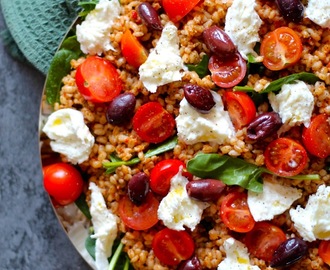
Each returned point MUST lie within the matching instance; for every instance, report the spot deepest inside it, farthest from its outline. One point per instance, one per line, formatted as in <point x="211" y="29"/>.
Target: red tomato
<point x="171" y="247"/>
<point x="241" y="108"/>
<point x="316" y="137"/>
<point x="153" y="123"/>
<point x="263" y="240"/>
<point x="98" y="80"/>
<point x="177" y="9"/>
<point x="235" y="212"/>
<point x="285" y="157"/>
<point x="133" y="51"/>
<point x="141" y="217"/>
<point x="324" y="251"/>
<point x="227" y="72"/>
<point x="281" y="48"/>
<point x="162" y="173"/>
<point x="63" y="182"/>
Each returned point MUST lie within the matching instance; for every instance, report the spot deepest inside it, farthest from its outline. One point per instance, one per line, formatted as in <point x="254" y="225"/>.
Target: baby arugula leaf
<point x="201" y="68"/>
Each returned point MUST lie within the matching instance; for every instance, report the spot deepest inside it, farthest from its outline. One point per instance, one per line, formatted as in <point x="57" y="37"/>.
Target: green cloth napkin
<point x="36" y="28"/>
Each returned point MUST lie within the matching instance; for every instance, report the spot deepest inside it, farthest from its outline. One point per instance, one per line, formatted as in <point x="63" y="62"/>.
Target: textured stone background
<point x="30" y="236"/>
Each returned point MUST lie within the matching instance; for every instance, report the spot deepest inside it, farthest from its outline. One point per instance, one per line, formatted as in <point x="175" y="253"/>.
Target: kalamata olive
<point x="149" y="16"/>
<point x="205" y="189"/>
<point x="291" y="10"/>
<point x="138" y="187"/>
<point x="199" y="97"/>
<point x="264" y="125"/>
<point x="289" y="252"/>
<point x="218" y="41"/>
<point x="121" y="109"/>
<point x="191" y="264"/>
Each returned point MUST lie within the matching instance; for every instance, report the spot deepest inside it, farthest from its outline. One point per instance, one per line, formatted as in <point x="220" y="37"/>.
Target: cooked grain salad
<point x="197" y="133"/>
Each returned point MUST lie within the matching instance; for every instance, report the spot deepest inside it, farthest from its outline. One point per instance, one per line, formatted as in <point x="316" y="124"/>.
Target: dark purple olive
<point x="199" y="97"/>
<point x="218" y="41"/>
<point x="264" y="125"/>
<point x="149" y="16"/>
<point x="205" y="189"/>
<point x="121" y="109"/>
<point x="191" y="264"/>
<point x="138" y="187"/>
<point x="291" y="10"/>
<point x="289" y="252"/>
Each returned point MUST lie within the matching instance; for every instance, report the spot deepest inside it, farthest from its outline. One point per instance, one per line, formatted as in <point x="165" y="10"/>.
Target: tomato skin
<point x="263" y="240"/>
<point x="153" y="123"/>
<point x="235" y="212"/>
<point x="171" y="247"/>
<point x="133" y="51"/>
<point x="98" y="80"/>
<point x="281" y="48"/>
<point x="241" y="108"/>
<point x="63" y="182"/>
<point x="316" y="138"/>
<point x="285" y="157"/>
<point x="324" y="251"/>
<point x="227" y="72"/>
<point x="139" y="217"/>
<point x="177" y="9"/>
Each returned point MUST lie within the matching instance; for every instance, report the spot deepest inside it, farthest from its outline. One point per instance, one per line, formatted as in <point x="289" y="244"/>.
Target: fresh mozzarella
<point x="237" y="257"/>
<point x="177" y="209"/>
<point x="105" y="227"/>
<point x="194" y="127"/>
<point x="273" y="200"/>
<point x="318" y="11"/>
<point x="94" y="32"/>
<point x="164" y="63"/>
<point x="242" y="25"/>
<point x="69" y="134"/>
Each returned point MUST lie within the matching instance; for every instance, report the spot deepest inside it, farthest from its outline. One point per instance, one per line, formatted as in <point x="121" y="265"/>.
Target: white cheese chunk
<point x="105" y="227"/>
<point x="237" y="256"/>
<point x="242" y="25"/>
<point x="318" y="11"/>
<point x="294" y="103"/>
<point x="164" y="63"/>
<point x="274" y="200"/>
<point x="69" y="134"/>
<point x="177" y="209"/>
<point x="93" y="33"/>
<point x="313" y="222"/>
<point x="194" y="127"/>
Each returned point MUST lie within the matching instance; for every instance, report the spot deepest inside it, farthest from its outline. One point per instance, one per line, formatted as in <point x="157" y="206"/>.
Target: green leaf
<point x="83" y="206"/>
<point x="276" y="85"/>
<point x="115" y="162"/>
<point x="90" y="245"/>
<point x="201" y="68"/>
<point x="71" y="43"/>
<point x="87" y="7"/>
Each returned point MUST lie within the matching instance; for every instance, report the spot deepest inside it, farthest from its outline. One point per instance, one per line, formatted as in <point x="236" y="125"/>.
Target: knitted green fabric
<point x="38" y="26"/>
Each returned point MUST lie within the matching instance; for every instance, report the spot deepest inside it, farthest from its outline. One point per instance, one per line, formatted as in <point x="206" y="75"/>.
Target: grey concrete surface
<point x="30" y="236"/>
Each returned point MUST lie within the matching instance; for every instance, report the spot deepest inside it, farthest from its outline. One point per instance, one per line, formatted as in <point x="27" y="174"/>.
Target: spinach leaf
<point x="276" y="85"/>
<point x="87" y="7"/>
<point x="90" y="244"/>
<point x="83" y="206"/>
<point x="201" y="68"/>
<point x="71" y="43"/>
<point x="115" y="162"/>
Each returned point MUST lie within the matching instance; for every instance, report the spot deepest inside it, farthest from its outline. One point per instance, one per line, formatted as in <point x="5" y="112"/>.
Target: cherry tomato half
<point x="133" y="51"/>
<point x="177" y="9"/>
<point x="324" y="251"/>
<point x="227" y="72"/>
<point x="241" y="108"/>
<point x="153" y="123"/>
<point x="285" y="157"/>
<point x="139" y="217"/>
<point x="316" y="138"/>
<point x="281" y="48"/>
<point x="171" y="247"/>
<point x="63" y="182"/>
<point x="235" y="212"/>
<point x="263" y="240"/>
<point x="162" y="173"/>
<point x="98" y="80"/>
